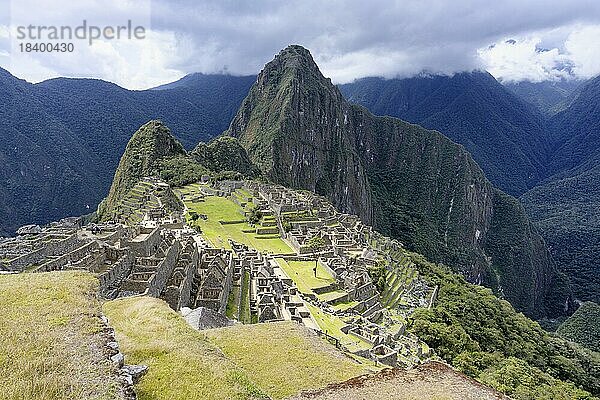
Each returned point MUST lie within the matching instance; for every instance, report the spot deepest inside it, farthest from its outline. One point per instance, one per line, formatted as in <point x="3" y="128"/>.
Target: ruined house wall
<point x="226" y="287"/>
<point x="164" y="270"/>
<point x="49" y="249"/>
<point x="118" y="271"/>
<point x="87" y="256"/>
<point x="186" y="286"/>
<point x="148" y="246"/>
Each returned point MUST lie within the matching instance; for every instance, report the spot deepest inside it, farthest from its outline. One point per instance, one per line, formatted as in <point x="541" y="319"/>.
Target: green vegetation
<point x="232" y="311"/>
<point x="332" y="325"/>
<point x="183" y="365"/>
<point x="245" y="299"/>
<point x="378" y="275"/>
<point x="180" y="170"/>
<point x="302" y="273"/>
<point x="284" y="358"/>
<point x="487" y="339"/>
<point x="254" y="215"/>
<point x="583" y="326"/>
<point x="218" y="210"/>
<point x="50" y="346"/>
<point x="225" y="153"/>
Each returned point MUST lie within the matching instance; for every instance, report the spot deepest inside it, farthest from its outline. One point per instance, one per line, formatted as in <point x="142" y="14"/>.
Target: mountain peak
<point x="150" y="144"/>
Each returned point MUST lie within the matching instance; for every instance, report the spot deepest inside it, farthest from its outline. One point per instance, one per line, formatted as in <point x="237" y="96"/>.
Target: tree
<point x="254" y="214"/>
<point x="315" y="244"/>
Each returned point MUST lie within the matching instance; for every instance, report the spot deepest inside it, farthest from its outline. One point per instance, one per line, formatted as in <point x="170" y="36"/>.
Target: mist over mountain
<point x="411" y="183"/>
<point x="548" y="97"/>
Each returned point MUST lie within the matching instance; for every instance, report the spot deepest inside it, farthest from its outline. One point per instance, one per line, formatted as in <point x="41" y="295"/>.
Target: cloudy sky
<point x="514" y="39"/>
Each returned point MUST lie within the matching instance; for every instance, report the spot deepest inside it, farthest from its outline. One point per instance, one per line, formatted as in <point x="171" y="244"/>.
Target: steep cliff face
<point x="295" y="126"/>
<point x="411" y="183"/>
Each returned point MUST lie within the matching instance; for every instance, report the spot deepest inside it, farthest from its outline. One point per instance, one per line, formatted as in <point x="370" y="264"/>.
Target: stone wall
<point x="119" y="271"/>
<point x="51" y="248"/>
<point x="164" y="270"/>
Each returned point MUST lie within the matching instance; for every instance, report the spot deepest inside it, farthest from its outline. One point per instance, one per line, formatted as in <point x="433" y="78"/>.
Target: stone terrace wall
<point x="50" y="248"/>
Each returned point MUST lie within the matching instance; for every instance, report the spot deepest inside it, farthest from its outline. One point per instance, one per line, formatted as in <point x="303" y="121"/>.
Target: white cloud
<point x="576" y="55"/>
<point x="4" y="32"/>
<point x="583" y="48"/>
<point x="349" y="39"/>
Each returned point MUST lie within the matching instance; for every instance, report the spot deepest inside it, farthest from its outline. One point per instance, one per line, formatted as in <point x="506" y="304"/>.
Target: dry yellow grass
<point x="183" y="365"/>
<point x="284" y="358"/>
<point x="49" y="342"/>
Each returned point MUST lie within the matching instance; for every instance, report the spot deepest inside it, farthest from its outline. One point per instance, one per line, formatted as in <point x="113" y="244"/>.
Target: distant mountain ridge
<point x="504" y="134"/>
<point x="411" y="183"/>
<point x="542" y="146"/>
<point x="548" y="97"/>
<point x="63" y="137"/>
<point x="565" y="206"/>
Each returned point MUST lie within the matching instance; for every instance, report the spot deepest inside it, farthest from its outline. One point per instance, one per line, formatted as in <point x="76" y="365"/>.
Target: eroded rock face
<point x="295" y="126"/>
<point x="411" y="183"/>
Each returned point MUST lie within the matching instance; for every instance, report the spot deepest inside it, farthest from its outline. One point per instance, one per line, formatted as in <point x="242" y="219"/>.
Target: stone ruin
<point x="161" y="256"/>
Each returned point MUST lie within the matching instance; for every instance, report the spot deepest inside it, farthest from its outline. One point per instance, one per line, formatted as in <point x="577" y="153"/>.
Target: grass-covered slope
<point x="487" y="339"/>
<point x="408" y="182"/>
<point x="583" y="326"/>
<point x="50" y="343"/>
<point x="240" y="362"/>
<point x="284" y="358"/>
<point x="182" y="364"/>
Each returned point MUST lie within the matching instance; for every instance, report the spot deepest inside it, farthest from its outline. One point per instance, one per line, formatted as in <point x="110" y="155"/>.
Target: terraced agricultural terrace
<point x="328" y="289"/>
<point x="230" y="256"/>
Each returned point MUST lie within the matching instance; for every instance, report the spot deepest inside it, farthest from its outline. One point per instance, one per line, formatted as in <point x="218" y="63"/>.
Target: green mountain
<point x="565" y="206"/>
<point x="548" y="97"/>
<point x="583" y="326"/>
<point x="61" y="139"/>
<point x="411" y="183"/>
<point x="504" y="135"/>
<point x="223" y="154"/>
<point x="152" y="151"/>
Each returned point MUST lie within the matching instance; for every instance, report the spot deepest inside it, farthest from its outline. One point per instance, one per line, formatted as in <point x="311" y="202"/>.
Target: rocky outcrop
<point x="411" y="183"/>
<point x="294" y="124"/>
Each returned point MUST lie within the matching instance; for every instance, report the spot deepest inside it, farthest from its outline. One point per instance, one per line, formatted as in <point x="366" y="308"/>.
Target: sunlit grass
<point x="284" y="358"/>
<point x="302" y="273"/>
<point x="222" y="209"/>
<point x="183" y="364"/>
<point x="333" y="325"/>
<point x="49" y="342"/>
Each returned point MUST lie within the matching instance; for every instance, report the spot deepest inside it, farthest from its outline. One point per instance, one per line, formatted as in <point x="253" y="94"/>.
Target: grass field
<point x="182" y="363"/>
<point x="221" y="209"/>
<point x="332" y="325"/>
<point x="284" y="358"/>
<point x="50" y="347"/>
<point x="301" y="272"/>
<point x="239" y="362"/>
